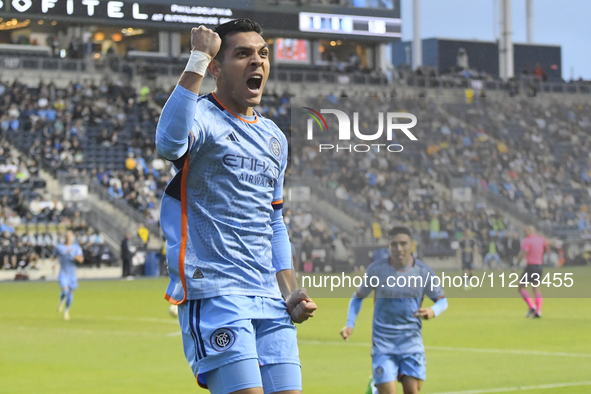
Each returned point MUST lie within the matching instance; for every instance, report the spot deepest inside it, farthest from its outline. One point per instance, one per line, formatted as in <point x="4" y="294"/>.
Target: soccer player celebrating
<point x="397" y="350"/>
<point x="69" y="254"/>
<point x="532" y="248"/>
<point x="227" y="248"/>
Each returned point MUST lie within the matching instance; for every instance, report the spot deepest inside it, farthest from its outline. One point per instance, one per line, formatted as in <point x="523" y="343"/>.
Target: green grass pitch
<point x="122" y="340"/>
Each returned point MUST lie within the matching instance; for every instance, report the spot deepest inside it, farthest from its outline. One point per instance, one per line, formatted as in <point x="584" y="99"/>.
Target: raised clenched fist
<point x="205" y="40"/>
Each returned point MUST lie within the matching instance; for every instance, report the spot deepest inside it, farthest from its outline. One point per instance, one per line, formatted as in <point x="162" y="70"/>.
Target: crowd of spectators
<point x="105" y="131"/>
<point x="317" y="245"/>
<point x="31" y="221"/>
<point x="536" y="158"/>
<point x="528" y="154"/>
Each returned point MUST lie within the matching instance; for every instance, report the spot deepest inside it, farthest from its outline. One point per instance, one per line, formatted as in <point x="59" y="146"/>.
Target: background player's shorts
<point x="392" y="367"/>
<point x="223" y="330"/>
<point x="467" y="265"/>
<point x="68" y="281"/>
<point x="532" y="273"/>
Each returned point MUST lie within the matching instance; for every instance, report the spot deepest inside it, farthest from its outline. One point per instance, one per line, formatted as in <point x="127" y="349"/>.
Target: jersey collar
<point x="405" y="268"/>
<point x="212" y="98"/>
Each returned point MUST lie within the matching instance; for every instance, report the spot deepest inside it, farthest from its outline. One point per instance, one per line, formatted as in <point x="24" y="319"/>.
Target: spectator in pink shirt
<point x="532" y="248"/>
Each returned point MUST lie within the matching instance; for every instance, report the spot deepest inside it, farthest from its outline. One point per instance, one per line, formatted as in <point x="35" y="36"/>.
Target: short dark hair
<point x="394" y="231"/>
<point x="241" y="25"/>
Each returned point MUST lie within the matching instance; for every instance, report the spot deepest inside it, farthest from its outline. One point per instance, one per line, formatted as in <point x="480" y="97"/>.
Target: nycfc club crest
<point x="275" y="146"/>
<point x="222" y="339"/>
<point x="379" y="370"/>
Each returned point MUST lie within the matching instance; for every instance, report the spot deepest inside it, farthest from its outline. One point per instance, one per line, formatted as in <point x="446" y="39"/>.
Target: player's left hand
<point x="300" y="307"/>
<point x="425" y="313"/>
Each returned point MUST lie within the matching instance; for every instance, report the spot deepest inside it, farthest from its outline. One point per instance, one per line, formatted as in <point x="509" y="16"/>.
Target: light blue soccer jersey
<point x="395" y="328"/>
<point x="217" y="211"/>
<point x="67" y="275"/>
<point x="66" y="256"/>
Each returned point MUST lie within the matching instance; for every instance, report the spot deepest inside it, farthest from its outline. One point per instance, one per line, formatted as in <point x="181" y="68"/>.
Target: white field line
<point x="313" y="342"/>
<point x="146" y="319"/>
<point x="456" y="349"/>
<point x="509" y="351"/>
<point x="120" y="318"/>
<point x="82" y="331"/>
<point x="173" y="334"/>
<point x="520" y="388"/>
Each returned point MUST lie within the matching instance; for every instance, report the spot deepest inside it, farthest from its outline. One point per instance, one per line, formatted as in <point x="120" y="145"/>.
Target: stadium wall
<point x="442" y="54"/>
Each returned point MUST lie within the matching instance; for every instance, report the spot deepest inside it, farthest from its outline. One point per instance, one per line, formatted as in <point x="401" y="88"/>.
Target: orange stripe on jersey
<point x="256" y="117"/>
<point x="277" y="205"/>
<point x="412" y="261"/>
<point x="183" y="235"/>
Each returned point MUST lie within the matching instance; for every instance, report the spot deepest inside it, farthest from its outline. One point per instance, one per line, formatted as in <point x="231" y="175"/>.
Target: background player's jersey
<point x="66" y="256"/>
<point x="468" y="247"/>
<point x="216" y="212"/>
<point x="534" y="245"/>
<point x="395" y="328"/>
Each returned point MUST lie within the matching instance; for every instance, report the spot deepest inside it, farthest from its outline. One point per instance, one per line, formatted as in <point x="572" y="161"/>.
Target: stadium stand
<point x="31" y="222"/>
<point x="105" y="131"/>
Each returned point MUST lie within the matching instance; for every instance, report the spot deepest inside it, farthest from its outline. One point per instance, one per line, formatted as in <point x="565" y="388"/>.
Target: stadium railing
<point x="514" y="210"/>
<point x="120" y="228"/>
<point x="525" y="84"/>
<point x="173" y="68"/>
<point x="17" y="62"/>
<point x="332" y="199"/>
<point x="31" y="50"/>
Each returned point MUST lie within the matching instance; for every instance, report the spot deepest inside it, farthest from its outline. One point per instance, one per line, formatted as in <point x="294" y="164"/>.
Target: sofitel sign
<point x="118" y="10"/>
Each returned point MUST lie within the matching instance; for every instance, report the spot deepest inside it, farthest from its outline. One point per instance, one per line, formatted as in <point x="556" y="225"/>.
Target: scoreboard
<point x="350" y="24"/>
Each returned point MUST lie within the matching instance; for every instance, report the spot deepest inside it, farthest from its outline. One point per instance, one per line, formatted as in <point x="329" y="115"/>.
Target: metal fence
<point x="118" y="226"/>
<point x="330" y="197"/>
<point x="13" y="62"/>
<point x="514" y="210"/>
<point x="523" y="84"/>
<point x="152" y="68"/>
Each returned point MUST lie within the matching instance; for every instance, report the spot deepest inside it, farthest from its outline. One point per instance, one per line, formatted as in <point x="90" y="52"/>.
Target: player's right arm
<point x="202" y="40"/>
<point x="523" y="251"/>
<point x="354" y="308"/>
<point x="53" y="258"/>
<point x="79" y="255"/>
<point x="178" y="115"/>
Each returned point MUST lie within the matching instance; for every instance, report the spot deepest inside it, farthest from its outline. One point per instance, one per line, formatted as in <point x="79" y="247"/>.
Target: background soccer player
<point x="69" y="254"/>
<point x="467" y="252"/>
<point x="228" y="252"/>
<point x="532" y="248"/>
<point x="397" y="343"/>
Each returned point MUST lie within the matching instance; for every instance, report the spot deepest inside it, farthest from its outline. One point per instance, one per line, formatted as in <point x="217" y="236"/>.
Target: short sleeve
<point x="434" y="293"/>
<point x="365" y="289"/>
<point x="525" y="245"/>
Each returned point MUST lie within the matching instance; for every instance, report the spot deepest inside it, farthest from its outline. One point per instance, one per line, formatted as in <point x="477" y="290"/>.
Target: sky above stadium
<point x="564" y="23"/>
